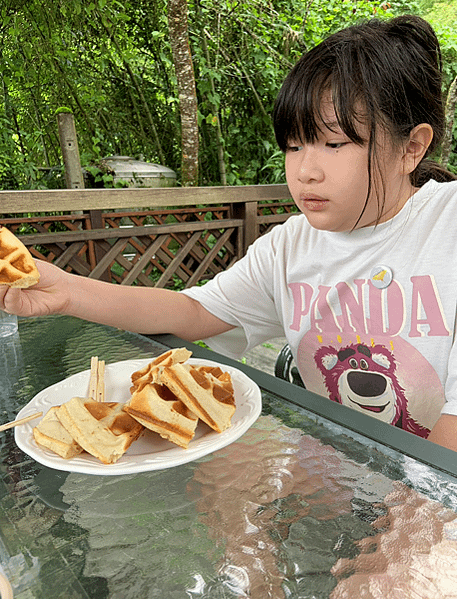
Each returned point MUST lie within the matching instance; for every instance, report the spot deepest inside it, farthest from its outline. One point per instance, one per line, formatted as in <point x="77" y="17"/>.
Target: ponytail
<point x="428" y="169"/>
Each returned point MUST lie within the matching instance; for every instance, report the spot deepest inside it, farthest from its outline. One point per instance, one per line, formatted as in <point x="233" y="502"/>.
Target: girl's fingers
<point x="3" y="290"/>
<point x="10" y="300"/>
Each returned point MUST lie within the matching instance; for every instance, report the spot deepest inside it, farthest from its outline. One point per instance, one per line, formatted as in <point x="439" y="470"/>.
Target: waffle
<point x="17" y="267"/>
<point x="159" y="410"/>
<point x="149" y="373"/>
<point x="50" y="433"/>
<point x="102" y="429"/>
<point x="206" y="391"/>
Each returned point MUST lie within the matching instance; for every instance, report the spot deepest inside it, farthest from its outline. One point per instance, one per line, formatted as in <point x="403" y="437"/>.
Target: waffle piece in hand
<point x="159" y="410"/>
<point x="103" y="429"/>
<point x="50" y="433"/>
<point x="17" y="267"/>
<point x="205" y="391"/>
<point x="149" y="373"/>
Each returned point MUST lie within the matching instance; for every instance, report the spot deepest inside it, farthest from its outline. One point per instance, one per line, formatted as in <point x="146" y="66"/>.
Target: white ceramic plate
<point x="150" y="451"/>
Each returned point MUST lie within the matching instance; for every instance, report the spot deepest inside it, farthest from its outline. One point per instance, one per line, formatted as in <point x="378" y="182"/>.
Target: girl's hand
<point x="130" y="308"/>
<point x="49" y="296"/>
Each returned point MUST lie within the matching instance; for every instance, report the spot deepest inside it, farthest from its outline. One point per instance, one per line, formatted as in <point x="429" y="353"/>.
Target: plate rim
<point x="24" y="437"/>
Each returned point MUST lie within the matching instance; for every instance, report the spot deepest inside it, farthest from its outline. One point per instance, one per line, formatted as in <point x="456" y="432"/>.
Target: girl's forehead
<point x="349" y="116"/>
<point x="327" y="105"/>
<point x="329" y="119"/>
<point x="326" y="115"/>
<point x="326" y="110"/>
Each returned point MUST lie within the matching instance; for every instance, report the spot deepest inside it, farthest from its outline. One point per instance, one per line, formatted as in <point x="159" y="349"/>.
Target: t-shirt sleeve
<point x="243" y="296"/>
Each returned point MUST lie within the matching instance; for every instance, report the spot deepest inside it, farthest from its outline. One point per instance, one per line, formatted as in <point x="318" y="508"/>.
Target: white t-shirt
<point x="370" y="315"/>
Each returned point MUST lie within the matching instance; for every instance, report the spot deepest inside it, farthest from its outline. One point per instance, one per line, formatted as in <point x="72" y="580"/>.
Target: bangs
<point x="318" y="78"/>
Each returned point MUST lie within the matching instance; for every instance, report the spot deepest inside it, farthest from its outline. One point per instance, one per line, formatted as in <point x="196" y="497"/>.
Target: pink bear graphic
<point x="364" y="378"/>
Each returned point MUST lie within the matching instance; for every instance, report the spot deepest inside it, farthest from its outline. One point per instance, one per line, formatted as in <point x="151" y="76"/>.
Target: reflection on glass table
<point x="297" y="507"/>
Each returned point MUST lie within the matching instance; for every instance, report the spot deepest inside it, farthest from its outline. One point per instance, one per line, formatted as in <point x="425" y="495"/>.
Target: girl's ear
<point x="419" y="140"/>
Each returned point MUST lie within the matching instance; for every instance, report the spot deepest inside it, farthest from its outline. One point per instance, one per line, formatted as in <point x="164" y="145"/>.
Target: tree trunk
<point x="179" y="39"/>
<point x="451" y="104"/>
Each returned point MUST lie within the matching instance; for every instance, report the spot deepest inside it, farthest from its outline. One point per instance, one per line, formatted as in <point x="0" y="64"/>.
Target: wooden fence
<point x="165" y="237"/>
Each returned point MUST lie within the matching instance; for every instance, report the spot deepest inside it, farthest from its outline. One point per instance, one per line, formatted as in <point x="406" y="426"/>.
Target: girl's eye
<point x="336" y="145"/>
<point x="292" y="148"/>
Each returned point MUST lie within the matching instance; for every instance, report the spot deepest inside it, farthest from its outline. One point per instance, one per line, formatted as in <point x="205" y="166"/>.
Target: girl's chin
<point x="326" y="224"/>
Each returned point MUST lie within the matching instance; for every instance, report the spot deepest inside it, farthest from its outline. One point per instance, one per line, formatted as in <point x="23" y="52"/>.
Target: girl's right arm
<point x="139" y="309"/>
<point x="445" y="431"/>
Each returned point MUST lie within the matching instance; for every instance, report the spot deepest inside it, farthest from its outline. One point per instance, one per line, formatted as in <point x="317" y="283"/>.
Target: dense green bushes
<point x="111" y="63"/>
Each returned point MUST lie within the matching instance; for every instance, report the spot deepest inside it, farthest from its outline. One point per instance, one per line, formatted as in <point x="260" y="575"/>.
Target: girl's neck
<point x="395" y="208"/>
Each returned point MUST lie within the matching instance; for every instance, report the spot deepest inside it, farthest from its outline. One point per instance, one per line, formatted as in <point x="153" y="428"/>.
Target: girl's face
<point x="328" y="179"/>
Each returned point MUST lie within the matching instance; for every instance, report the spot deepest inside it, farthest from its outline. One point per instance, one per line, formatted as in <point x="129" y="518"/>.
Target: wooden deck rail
<point x="166" y="237"/>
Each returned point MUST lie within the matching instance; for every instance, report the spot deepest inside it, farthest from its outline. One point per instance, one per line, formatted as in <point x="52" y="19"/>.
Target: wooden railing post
<point x="96" y="253"/>
<point x="248" y="212"/>
<point x="70" y="152"/>
<point x="74" y="179"/>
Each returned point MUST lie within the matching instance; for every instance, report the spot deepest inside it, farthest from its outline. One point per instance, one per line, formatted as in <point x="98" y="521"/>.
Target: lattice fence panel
<point x="272" y="213"/>
<point x="165" y="248"/>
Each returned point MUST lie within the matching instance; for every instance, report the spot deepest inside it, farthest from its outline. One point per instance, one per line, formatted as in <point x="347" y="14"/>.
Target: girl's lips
<point x="312" y="202"/>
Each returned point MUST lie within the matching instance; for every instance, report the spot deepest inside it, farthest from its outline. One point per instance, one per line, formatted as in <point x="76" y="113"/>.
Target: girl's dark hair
<point x="389" y="69"/>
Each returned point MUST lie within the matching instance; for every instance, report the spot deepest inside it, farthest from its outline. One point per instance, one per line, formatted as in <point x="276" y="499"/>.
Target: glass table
<point x="300" y="506"/>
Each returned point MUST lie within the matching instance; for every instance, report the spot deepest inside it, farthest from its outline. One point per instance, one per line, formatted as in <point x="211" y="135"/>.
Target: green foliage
<point x="443" y="17"/>
<point x="64" y="110"/>
<point x="452" y="164"/>
<point x="110" y="64"/>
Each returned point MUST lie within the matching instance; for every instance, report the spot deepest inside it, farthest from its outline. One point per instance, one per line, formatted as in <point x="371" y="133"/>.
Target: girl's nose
<point x="310" y="168"/>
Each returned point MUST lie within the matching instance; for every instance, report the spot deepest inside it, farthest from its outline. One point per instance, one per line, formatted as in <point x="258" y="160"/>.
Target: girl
<point x="362" y="283"/>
